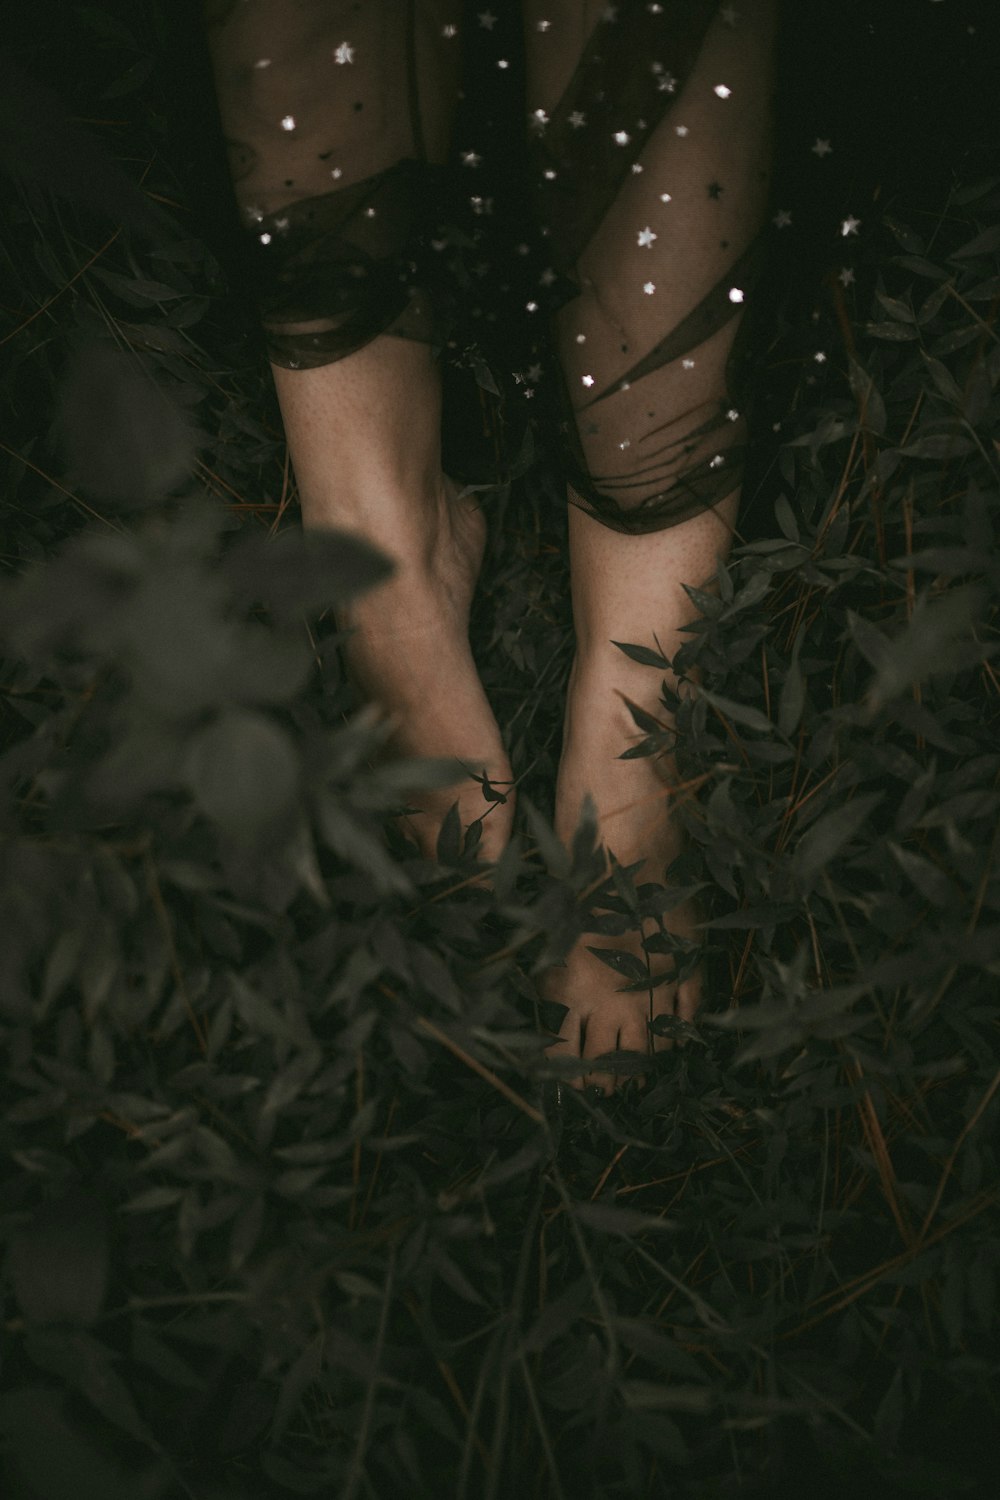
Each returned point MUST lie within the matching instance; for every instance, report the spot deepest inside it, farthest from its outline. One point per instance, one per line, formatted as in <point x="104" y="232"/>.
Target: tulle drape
<point x="647" y="171"/>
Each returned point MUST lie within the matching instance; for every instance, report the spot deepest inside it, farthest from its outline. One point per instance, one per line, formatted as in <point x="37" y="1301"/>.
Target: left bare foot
<point x="635" y="821"/>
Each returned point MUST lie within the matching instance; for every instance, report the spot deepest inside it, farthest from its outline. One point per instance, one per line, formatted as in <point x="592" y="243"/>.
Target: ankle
<point x="427" y="535"/>
<point x="600" y="681"/>
<point x="382" y="511"/>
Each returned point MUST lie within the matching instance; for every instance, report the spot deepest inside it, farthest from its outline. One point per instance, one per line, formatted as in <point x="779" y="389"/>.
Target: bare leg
<point x="364" y="435"/>
<point x="620" y="584"/>
<point x="677" y="223"/>
<point x="320" y="104"/>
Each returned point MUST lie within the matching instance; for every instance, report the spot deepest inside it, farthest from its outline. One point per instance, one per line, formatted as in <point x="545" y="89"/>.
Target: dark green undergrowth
<point x="288" y="1204"/>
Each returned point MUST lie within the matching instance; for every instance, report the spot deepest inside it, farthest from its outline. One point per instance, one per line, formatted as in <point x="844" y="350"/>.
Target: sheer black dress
<point x="646" y="165"/>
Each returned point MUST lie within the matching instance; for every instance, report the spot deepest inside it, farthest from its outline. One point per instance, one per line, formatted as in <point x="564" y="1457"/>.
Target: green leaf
<point x="644" y="655"/>
<point x="358" y="844"/>
<point x="152" y="1199"/>
<point x="449" y="839"/>
<point x="296" y="572"/>
<point x="936" y="639"/>
<point x="646" y="721"/>
<point x="892" y="332"/>
<point x="740" y="713"/>
<point x="648" y="1395"/>
<point x="895" y="307"/>
<point x="943" y="380"/>
<point x="243" y="773"/>
<point x="987" y="242"/>
<point x="785" y="517"/>
<point x="150" y="1349"/>
<point x="559" y="1313"/>
<point x="556" y="857"/>
<point x="793" y="693"/>
<point x="825" y="839"/>
<point x="247" y="1227"/>
<point x="135" y="289"/>
<point x="869" y="398"/>
<point x="608" y="1218"/>
<point x="622" y="962"/>
<point x="124" y="438"/>
<point x="931" y="882"/>
<point x="87" y="1366"/>
<point x="938" y="446"/>
<point x="904" y="235"/>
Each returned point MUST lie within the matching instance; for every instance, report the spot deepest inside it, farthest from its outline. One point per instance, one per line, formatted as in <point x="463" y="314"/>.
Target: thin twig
<point x="484" y="1072"/>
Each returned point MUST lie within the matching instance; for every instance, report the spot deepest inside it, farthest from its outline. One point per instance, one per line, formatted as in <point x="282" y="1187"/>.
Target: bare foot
<point x="634" y="820"/>
<point x="410" y="654"/>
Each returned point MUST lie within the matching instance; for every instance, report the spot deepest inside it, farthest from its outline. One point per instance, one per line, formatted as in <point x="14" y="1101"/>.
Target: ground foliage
<point x="288" y="1204"/>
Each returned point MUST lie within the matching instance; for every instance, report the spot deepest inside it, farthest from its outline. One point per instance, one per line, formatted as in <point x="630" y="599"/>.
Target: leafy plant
<point x="289" y="1204"/>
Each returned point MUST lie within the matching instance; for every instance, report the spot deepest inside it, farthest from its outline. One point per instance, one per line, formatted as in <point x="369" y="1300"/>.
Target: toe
<point x="601" y="1037"/>
<point x="632" y="1034"/>
<point x="568" y="1044"/>
<point x="689" y="998"/>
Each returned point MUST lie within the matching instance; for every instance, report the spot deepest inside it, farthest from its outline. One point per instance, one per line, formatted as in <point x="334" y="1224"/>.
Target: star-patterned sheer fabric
<point x="648" y="160"/>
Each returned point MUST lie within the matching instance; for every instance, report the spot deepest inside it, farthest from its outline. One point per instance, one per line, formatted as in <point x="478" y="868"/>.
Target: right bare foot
<point x="409" y="653"/>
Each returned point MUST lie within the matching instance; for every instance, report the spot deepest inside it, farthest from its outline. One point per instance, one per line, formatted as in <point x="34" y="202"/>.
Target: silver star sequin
<point x="646" y="237"/>
<point x="344" y="53"/>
